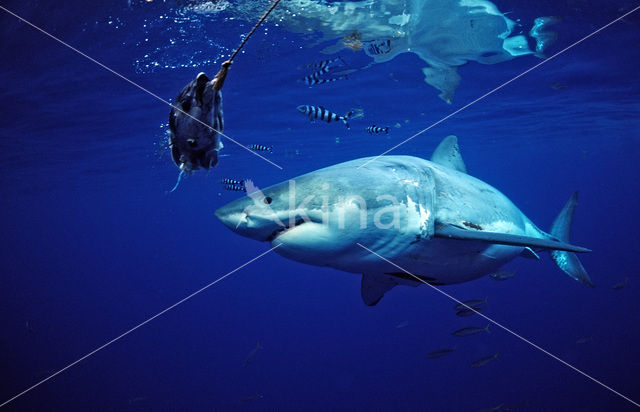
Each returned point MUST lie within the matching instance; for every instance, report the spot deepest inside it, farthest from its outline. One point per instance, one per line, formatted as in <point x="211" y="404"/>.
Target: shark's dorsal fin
<point x="448" y="154"/>
<point x="373" y="288"/>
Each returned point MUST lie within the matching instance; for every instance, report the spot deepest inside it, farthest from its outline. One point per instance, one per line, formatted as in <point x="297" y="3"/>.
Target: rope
<point x="264" y="17"/>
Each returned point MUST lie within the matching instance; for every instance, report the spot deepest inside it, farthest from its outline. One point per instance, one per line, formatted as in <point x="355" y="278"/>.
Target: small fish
<point x="472" y="330"/>
<point x="319" y="112"/>
<point x="473" y="303"/>
<point x="375" y="129"/>
<point x="313" y="79"/>
<point x="28" y="327"/>
<point x="483" y="361"/>
<point x="515" y="406"/>
<point x="377" y="47"/>
<point x="253" y="397"/>
<point x="494" y="409"/>
<point x="468" y="312"/>
<point x="501" y="275"/>
<point x="621" y="285"/>
<point x="402" y="324"/>
<point x="232" y="182"/>
<point x="235" y="188"/>
<point x="439" y="353"/>
<point x="558" y="86"/>
<point x="251" y="355"/>
<point x="260" y="148"/>
<point x="324" y="65"/>
<point x="137" y="400"/>
<point x="584" y="340"/>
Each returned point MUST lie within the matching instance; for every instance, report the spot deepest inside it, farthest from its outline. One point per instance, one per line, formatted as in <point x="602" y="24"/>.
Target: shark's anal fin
<point x="454" y="232"/>
<point x="373" y="288"/>
<point x="448" y="154"/>
<point x="528" y="253"/>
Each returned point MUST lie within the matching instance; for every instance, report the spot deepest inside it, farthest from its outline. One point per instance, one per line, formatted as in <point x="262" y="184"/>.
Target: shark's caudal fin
<point x="561" y="228"/>
<point x="448" y="154"/>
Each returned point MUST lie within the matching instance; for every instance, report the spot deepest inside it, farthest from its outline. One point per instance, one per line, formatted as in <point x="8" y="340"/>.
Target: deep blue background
<point x="92" y="245"/>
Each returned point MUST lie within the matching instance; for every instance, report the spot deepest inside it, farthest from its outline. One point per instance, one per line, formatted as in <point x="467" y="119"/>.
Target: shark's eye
<point x="268" y="200"/>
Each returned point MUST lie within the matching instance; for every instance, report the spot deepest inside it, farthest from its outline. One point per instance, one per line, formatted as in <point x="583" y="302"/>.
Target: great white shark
<point x="428" y="217"/>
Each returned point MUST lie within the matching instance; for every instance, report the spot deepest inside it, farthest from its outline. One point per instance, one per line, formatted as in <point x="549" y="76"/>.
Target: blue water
<point x="92" y="245"/>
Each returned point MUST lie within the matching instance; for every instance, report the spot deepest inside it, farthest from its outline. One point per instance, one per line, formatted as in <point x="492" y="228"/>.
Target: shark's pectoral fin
<point x="454" y="232"/>
<point x="373" y="288"/>
<point x="448" y="154"/>
<point x="528" y="253"/>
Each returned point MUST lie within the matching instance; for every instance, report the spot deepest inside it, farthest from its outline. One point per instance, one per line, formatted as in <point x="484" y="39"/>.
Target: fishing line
<point x="264" y="17"/>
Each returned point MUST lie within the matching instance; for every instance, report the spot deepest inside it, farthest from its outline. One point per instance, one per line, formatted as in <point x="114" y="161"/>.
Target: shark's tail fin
<point x="568" y="262"/>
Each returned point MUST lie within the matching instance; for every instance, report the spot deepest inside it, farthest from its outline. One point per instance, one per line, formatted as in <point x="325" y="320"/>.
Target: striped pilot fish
<point x="378" y="47"/>
<point x="313" y="79"/>
<point x="319" y="112"/>
<point x="260" y="148"/>
<point x="375" y="129"/>
<point x="235" y="188"/>
<point x="324" y="65"/>
<point x="232" y="182"/>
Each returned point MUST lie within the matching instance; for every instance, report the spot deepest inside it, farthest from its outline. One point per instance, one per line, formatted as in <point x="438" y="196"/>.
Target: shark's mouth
<point x="284" y="229"/>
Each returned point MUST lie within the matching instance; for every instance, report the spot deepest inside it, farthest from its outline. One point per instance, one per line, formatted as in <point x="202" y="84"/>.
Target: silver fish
<point x="501" y="275"/>
<point x="483" y="361"/>
<point x="251" y="355"/>
<point x="473" y="303"/>
<point x="468" y="312"/>
<point x="494" y="409"/>
<point x="584" y="340"/>
<point x="472" y="330"/>
<point x="439" y="353"/>
<point x="251" y="398"/>
<point x="402" y="324"/>
<point x="621" y="285"/>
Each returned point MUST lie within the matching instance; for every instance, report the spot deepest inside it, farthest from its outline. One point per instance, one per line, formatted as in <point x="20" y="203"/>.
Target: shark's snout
<point x="246" y="220"/>
<point x="228" y="218"/>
